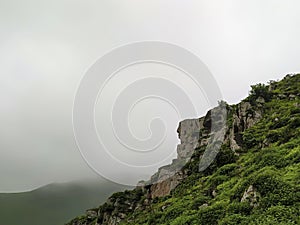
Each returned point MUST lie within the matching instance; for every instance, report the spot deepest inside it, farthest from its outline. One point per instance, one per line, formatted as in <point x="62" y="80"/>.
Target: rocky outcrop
<point x="244" y="116"/>
<point x="210" y="131"/>
<point x="168" y="177"/>
<point x="222" y="125"/>
<point x="164" y="187"/>
<point x="188" y="133"/>
<point x="116" y="208"/>
<point x="251" y="196"/>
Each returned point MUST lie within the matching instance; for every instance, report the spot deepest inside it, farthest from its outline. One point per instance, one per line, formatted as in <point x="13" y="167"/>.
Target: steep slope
<point x="255" y="178"/>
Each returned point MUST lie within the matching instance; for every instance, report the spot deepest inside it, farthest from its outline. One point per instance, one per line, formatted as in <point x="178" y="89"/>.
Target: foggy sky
<point x="46" y="47"/>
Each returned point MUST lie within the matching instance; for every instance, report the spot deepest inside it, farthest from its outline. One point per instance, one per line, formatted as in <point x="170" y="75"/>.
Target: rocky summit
<point x="253" y="178"/>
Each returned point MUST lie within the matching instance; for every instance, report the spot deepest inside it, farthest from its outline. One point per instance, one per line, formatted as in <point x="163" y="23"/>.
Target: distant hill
<point x="53" y="204"/>
<point x="254" y="179"/>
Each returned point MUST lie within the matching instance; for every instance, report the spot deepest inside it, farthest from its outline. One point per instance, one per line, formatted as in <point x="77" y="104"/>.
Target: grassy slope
<point x="53" y="204"/>
<point x="273" y="169"/>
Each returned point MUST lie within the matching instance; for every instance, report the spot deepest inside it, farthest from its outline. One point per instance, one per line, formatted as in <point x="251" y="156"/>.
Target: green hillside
<point x="53" y="204"/>
<point x="259" y="183"/>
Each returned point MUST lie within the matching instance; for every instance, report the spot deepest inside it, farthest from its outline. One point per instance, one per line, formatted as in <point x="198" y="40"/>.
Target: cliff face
<point x="198" y="133"/>
<point x="226" y="127"/>
<point x="168" y="177"/>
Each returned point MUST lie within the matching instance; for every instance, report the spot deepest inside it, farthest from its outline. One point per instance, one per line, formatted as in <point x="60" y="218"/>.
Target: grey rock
<point x="252" y="196"/>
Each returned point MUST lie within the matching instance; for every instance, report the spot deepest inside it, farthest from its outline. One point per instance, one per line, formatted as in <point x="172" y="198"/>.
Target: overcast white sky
<point x="46" y="46"/>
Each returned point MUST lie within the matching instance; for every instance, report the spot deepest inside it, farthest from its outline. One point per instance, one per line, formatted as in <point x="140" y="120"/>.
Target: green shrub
<point x="235" y="219"/>
<point x="259" y="90"/>
<point x="242" y="208"/>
